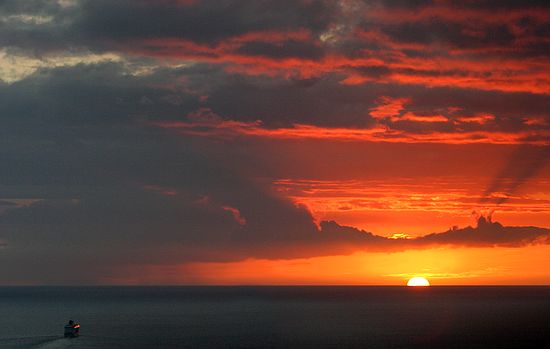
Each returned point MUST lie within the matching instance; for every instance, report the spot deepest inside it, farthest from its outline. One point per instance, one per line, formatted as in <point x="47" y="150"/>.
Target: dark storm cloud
<point x="113" y="189"/>
<point x="287" y="49"/>
<point x="89" y="94"/>
<point x="282" y="102"/>
<point x="203" y="21"/>
<point x="97" y="25"/>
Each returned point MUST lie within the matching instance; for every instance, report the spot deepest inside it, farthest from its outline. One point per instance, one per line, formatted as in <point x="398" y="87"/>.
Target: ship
<point x="71" y="330"/>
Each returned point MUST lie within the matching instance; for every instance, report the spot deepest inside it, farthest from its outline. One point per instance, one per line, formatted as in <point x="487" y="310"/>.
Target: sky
<point x="274" y="142"/>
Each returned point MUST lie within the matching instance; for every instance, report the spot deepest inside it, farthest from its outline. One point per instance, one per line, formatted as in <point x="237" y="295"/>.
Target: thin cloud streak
<point x="228" y="129"/>
<point x="450" y="196"/>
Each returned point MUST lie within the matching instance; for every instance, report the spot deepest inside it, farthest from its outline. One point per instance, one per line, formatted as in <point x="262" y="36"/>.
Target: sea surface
<point x="276" y="317"/>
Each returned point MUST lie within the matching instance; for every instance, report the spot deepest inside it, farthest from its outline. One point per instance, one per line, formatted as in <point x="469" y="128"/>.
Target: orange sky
<point x="387" y="206"/>
<point x="441" y="266"/>
<point x="402" y="206"/>
<point x="432" y="199"/>
<point x="416" y="207"/>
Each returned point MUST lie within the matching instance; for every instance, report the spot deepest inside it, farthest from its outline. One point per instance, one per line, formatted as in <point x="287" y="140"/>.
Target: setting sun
<point x="418" y="281"/>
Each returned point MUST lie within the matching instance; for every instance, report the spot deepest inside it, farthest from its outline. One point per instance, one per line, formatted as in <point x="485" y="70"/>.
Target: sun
<point x="418" y="281"/>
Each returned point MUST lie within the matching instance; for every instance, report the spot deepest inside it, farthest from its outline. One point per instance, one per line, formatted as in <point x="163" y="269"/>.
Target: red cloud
<point x="388" y="107"/>
<point x="228" y="129"/>
<point x="236" y="214"/>
<point x="510" y="75"/>
<point x="491" y="66"/>
<point x="535" y="121"/>
<point x="422" y="118"/>
<point x="477" y="119"/>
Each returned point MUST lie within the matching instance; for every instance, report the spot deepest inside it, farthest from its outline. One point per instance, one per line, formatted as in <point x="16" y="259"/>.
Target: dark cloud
<point x="287" y="49"/>
<point x="179" y="217"/>
<point x="487" y="233"/>
<point x="14" y="7"/>
<point x="98" y="25"/>
<point x="205" y="21"/>
<point x="114" y="189"/>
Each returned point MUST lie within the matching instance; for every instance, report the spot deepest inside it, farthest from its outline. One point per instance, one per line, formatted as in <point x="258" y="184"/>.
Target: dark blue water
<point x="276" y="317"/>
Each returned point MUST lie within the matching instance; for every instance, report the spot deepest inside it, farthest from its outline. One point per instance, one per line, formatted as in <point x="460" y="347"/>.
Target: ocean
<point x="276" y="317"/>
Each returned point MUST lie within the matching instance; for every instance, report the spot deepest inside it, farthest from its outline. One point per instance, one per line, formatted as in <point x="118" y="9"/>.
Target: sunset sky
<point x="274" y="142"/>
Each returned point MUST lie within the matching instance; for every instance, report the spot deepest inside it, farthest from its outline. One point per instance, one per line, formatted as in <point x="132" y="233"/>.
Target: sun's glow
<point x="418" y="281"/>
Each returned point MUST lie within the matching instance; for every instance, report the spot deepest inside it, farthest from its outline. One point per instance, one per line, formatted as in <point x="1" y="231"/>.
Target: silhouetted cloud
<point x="488" y="233"/>
<point x="485" y="234"/>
